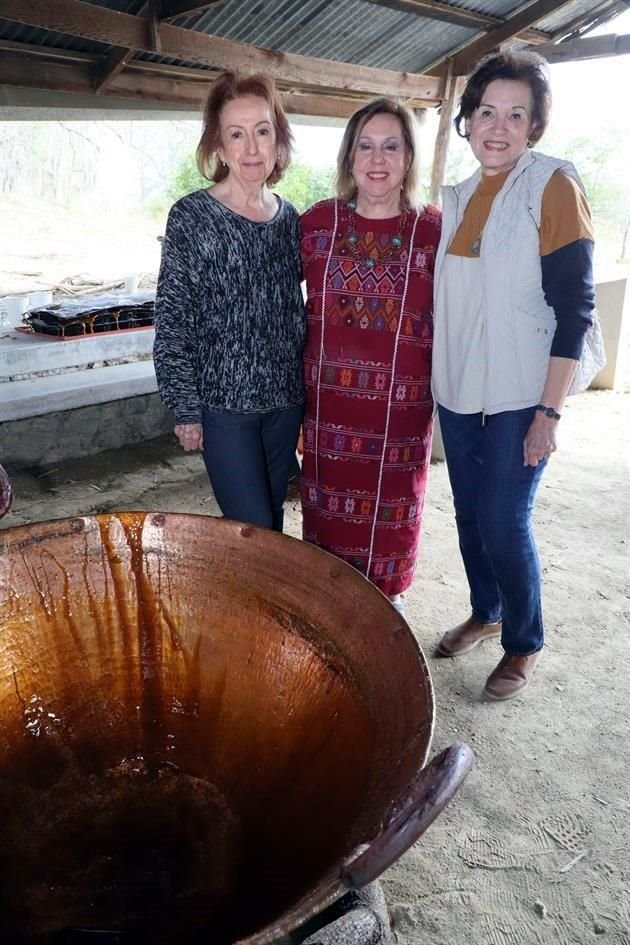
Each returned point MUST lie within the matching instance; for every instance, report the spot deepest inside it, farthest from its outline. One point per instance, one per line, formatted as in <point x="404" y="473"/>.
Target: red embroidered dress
<point x="368" y="420"/>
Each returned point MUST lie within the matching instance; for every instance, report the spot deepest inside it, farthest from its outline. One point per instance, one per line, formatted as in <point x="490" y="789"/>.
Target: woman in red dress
<point x="368" y="260"/>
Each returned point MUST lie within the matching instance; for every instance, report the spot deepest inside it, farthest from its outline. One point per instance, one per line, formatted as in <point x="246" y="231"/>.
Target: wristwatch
<point x="548" y="411"/>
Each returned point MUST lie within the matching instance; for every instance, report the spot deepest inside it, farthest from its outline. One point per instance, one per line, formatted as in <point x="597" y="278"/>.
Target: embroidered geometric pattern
<point x="360" y="386"/>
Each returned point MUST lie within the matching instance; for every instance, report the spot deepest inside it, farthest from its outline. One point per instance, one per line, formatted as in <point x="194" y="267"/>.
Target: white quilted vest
<point x="519" y="324"/>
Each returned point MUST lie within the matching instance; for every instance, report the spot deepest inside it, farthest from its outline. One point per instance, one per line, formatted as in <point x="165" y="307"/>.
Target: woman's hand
<point x="190" y="436"/>
<point x="540" y="441"/>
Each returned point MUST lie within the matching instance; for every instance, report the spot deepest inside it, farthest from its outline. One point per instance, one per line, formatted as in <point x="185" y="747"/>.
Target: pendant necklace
<point x="487" y="194"/>
<point x="475" y="246"/>
<point x="395" y="242"/>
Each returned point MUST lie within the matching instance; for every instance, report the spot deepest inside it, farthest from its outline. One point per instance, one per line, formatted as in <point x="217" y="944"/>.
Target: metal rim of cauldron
<point x="6" y="492"/>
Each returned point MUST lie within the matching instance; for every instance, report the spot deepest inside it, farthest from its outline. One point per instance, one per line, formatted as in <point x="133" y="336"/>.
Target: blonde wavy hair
<point x="345" y="184"/>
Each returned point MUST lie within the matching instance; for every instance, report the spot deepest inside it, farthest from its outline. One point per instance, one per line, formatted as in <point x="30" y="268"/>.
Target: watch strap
<point x="548" y="411"/>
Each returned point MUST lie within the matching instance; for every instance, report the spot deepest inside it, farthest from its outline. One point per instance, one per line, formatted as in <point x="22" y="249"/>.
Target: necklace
<point x="475" y="246"/>
<point x="481" y="205"/>
<point x="369" y="259"/>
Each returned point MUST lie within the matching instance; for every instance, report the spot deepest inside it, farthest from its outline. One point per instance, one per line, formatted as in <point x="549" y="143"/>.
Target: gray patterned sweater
<point x="229" y="314"/>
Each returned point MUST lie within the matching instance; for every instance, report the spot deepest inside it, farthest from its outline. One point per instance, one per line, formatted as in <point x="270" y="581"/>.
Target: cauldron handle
<point x="6" y="493"/>
<point x="426" y="797"/>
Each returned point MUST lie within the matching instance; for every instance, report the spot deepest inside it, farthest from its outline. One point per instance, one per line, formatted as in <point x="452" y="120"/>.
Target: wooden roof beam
<point x="47" y="52"/>
<point x="114" y="62"/>
<point x="440" y="151"/>
<point x="76" y="78"/>
<point x="152" y="10"/>
<point x="527" y="16"/>
<point x="174" y="8"/>
<point x="590" y="20"/>
<point x="133" y="86"/>
<point x="56" y="76"/>
<point x="100" y="24"/>
<point x="436" y="10"/>
<point x="320" y="106"/>
<point x="106" y="70"/>
<point x="22" y="71"/>
<point x="587" y="47"/>
<point x="533" y="37"/>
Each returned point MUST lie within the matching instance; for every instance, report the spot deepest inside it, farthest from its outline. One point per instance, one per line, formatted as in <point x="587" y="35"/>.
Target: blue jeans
<point x="248" y="457"/>
<point x="494" y="495"/>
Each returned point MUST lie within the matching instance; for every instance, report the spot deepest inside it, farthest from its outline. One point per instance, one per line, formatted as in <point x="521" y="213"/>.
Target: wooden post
<point x="440" y="153"/>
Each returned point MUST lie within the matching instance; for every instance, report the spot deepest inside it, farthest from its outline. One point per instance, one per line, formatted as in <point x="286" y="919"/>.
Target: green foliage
<point x="301" y="185"/>
<point x="186" y="179"/>
<point x="603" y="176"/>
<point x="461" y="161"/>
<point x="599" y="161"/>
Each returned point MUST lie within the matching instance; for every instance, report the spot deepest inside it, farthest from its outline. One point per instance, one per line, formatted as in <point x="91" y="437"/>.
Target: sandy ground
<point x="535" y="848"/>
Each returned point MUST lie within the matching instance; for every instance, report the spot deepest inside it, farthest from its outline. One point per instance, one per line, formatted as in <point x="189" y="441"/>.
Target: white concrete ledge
<point x="22" y="353"/>
<point x="43" y="395"/>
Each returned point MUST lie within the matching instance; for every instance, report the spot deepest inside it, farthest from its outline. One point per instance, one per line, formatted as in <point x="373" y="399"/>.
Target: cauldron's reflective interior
<point x="183" y="743"/>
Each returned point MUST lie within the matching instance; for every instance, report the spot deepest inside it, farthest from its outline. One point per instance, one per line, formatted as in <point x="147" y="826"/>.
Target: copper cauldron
<point x="206" y="729"/>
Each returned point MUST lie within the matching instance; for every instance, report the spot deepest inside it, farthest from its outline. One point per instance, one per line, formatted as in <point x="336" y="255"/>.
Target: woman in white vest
<point x="514" y="298"/>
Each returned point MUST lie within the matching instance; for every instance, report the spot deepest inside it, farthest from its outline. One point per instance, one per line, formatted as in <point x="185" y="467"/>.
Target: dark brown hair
<point x="228" y="87"/>
<point x="517" y="65"/>
<point x="346" y="187"/>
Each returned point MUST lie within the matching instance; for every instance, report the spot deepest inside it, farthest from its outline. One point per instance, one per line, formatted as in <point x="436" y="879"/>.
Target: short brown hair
<point x="517" y="65"/>
<point x="228" y="87"/>
<point x="346" y="187"/>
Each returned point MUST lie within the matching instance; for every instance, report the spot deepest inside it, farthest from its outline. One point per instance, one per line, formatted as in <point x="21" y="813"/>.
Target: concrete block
<point x="613" y="304"/>
<point x="358" y="918"/>
<point x="61" y="435"/>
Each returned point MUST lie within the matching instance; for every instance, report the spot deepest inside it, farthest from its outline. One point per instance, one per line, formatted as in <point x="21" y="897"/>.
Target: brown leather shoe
<point x="511" y="676"/>
<point x="466" y="636"/>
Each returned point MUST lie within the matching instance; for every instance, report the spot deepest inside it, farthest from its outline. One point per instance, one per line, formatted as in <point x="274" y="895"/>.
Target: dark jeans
<point x="494" y="495"/>
<point x="248" y="457"/>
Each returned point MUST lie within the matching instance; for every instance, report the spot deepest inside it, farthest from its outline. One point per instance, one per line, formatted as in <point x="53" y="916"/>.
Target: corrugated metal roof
<point x="345" y="31"/>
<point x="354" y="31"/>
<point x="38" y="37"/>
<point x="498" y="8"/>
<point x="18" y="33"/>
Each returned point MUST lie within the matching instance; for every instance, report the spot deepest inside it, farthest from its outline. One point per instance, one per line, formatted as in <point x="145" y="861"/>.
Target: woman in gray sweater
<point x="229" y="320"/>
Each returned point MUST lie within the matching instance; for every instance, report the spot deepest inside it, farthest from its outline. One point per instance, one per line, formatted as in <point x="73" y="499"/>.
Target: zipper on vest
<point x="484" y="417"/>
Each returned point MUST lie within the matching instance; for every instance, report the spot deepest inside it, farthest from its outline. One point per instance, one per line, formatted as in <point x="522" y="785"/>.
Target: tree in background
<point x="301" y="185"/>
<point x="185" y="179"/>
<point x="599" y="160"/>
